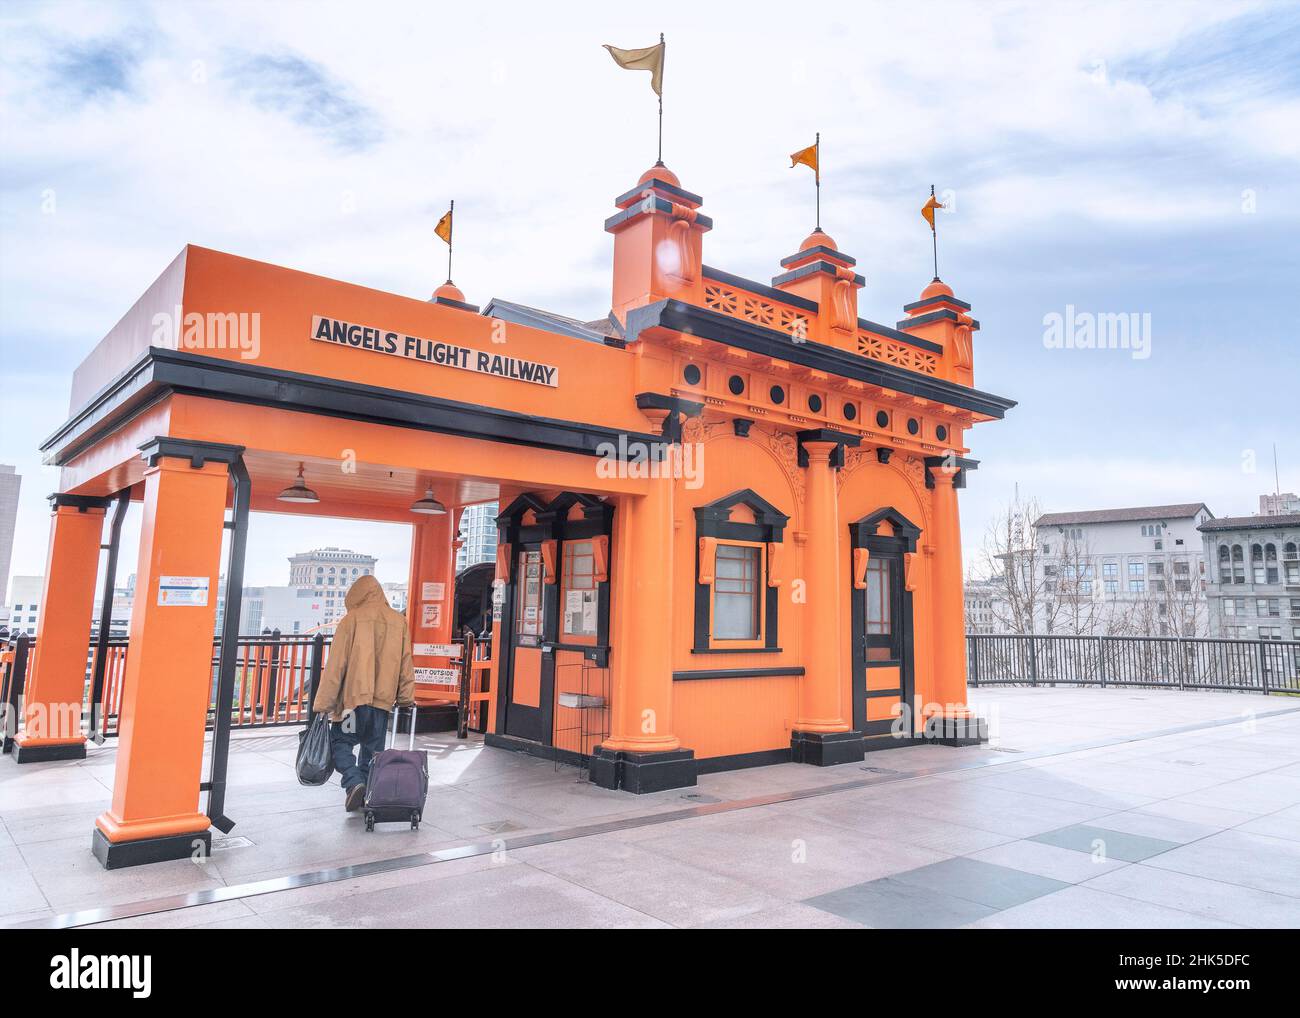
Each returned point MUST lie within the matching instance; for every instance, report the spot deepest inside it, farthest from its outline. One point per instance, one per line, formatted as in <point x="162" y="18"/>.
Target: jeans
<point x="366" y="726"/>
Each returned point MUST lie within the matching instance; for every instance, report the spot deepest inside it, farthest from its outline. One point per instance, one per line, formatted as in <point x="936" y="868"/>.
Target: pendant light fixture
<point x="428" y="506"/>
<point x="298" y="491"/>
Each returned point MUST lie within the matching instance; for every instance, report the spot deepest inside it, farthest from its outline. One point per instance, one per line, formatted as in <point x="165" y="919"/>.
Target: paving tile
<point x="1111" y="844"/>
<point x="1062" y="864"/>
<point x="890" y="903"/>
<point x="667" y="888"/>
<point x="790" y="916"/>
<point x="1250" y="860"/>
<point x="984" y="883"/>
<point x="1211" y="899"/>
<point x="1080" y="907"/>
<point x="1151" y="825"/>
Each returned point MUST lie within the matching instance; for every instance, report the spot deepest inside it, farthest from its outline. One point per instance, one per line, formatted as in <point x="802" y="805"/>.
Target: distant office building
<point x="396" y="594"/>
<point x="478" y="532"/>
<point x="10" y="482"/>
<point x="1285" y="503"/>
<point x="294" y="611"/>
<point x="329" y="572"/>
<point x="1254" y="593"/>
<point x="982" y="598"/>
<point x="25" y="612"/>
<point x="1137" y="571"/>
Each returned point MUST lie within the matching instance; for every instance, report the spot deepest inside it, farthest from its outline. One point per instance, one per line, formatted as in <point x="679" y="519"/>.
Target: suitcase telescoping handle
<point x="411" y="742"/>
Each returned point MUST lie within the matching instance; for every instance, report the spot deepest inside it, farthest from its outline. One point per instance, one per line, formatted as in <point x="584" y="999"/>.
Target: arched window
<point x="1236" y="553"/>
<point x="1256" y="553"/>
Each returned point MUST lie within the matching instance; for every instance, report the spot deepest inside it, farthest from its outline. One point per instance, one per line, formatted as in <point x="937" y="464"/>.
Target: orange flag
<point x="807" y="156"/>
<point x="443" y="229"/>
<point x="927" y="210"/>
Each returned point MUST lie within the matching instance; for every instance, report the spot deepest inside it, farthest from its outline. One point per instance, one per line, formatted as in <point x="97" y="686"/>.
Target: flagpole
<point x="663" y="59"/>
<point x="934" y="235"/>
<point x="818" y="177"/>
<point x="451" y="230"/>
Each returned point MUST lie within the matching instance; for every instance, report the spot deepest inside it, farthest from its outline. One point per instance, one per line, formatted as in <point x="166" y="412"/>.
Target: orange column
<point x="433" y="563"/>
<point x="821" y="735"/>
<point x="642" y="754"/>
<point x="57" y="688"/>
<point x="951" y="720"/>
<point x="168" y="684"/>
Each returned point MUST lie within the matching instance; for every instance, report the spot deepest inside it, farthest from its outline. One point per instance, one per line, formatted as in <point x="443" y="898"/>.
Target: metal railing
<point x="274" y="677"/>
<point x="1252" y="666"/>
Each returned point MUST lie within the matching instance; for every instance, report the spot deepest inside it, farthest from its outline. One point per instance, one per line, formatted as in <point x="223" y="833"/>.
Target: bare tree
<point x="1011" y="559"/>
<point x="1074" y="609"/>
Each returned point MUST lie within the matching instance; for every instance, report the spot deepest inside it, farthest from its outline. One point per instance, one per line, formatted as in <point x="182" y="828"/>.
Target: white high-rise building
<point x="10" y="482"/>
<point x="478" y="531"/>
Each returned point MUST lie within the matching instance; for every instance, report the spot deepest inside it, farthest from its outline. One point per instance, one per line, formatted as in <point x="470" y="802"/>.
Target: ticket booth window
<point x="736" y="610"/>
<point x="581" y="597"/>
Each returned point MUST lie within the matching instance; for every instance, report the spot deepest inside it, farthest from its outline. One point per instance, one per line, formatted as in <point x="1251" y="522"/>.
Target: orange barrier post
<point x="154" y="813"/>
<point x="57" y="687"/>
<point x="821" y="735"/>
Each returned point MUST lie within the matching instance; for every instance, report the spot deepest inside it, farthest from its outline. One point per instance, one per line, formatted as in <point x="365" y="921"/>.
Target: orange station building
<point x="729" y="528"/>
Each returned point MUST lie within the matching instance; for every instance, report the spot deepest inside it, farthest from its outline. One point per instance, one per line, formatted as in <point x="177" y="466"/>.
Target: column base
<point x="826" y="749"/>
<point x="41" y="752"/>
<point x="114" y="855"/>
<point x="643" y="772"/>
<point x="966" y="730"/>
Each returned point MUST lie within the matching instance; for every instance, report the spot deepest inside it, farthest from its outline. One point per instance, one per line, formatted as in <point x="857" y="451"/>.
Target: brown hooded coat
<point x="369" y="662"/>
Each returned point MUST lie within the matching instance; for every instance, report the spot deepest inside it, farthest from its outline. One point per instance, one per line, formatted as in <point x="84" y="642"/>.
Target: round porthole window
<point x="815" y="403"/>
<point x="777" y="394"/>
<point x="850" y="411"/>
<point x="882" y="419"/>
<point x="736" y="384"/>
<point x="941" y="433"/>
<point x="692" y="374"/>
<point x="913" y="425"/>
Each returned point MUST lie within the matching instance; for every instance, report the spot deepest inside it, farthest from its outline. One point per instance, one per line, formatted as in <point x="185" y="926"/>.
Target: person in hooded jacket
<point x="369" y="669"/>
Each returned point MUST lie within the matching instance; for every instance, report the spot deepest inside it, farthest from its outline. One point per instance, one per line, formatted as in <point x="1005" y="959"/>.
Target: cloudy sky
<point x="1114" y="158"/>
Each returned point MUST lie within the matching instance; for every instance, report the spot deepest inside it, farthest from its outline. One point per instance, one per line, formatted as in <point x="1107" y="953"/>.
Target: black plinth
<point x="643" y="772"/>
<point x="54" y="751"/>
<point x="826" y="749"/>
<point x="114" y="855"/>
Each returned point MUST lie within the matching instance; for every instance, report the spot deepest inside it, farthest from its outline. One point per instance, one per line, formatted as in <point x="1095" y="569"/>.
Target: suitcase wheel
<point x="370" y="821"/>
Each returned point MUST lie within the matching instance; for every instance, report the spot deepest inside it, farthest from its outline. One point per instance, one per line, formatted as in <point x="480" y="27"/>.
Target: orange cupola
<point x="820" y="272"/>
<point x="939" y="317"/>
<point x="658" y="242"/>
<point x="450" y="295"/>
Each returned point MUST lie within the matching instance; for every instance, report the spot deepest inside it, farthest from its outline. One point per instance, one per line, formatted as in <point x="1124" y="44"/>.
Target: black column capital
<point x="198" y="453"/>
<point x="79" y="502"/>
<point x="841" y="439"/>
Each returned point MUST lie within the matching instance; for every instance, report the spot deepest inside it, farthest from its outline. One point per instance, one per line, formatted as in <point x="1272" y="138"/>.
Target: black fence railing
<point x="274" y="676"/>
<point x="1252" y="666"/>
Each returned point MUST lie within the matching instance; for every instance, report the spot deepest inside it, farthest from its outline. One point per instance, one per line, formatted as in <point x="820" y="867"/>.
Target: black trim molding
<point x="160" y="372"/>
<point x="678" y="316"/>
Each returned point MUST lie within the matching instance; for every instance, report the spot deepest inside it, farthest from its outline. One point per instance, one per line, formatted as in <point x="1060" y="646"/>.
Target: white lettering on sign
<point x="438" y="676"/>
<point x="452" y="650"/>
<point x="183" y="590"/>
<point x="448" y="355"/>
<point x="433" y="591"/>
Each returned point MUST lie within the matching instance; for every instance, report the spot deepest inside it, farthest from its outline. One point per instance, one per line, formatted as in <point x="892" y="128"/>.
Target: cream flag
<point x="651" y="59"/>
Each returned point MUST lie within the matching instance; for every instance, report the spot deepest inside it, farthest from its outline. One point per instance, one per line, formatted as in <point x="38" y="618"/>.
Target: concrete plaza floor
<point x="1113" y="808"/>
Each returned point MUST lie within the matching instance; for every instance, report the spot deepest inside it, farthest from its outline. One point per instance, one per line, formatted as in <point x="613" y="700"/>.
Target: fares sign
<point x="449" y="355"/>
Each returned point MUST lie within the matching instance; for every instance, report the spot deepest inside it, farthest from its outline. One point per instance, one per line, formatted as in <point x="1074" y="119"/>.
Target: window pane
<point x="735" y="593"/>
<point x="879" y="616"/>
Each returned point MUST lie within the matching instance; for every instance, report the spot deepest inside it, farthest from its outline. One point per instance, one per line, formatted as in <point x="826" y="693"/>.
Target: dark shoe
<point x="356" y="796"/>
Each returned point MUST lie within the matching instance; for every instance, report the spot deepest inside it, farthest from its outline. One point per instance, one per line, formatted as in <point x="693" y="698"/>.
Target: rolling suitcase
<point x="398" y="782"/>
